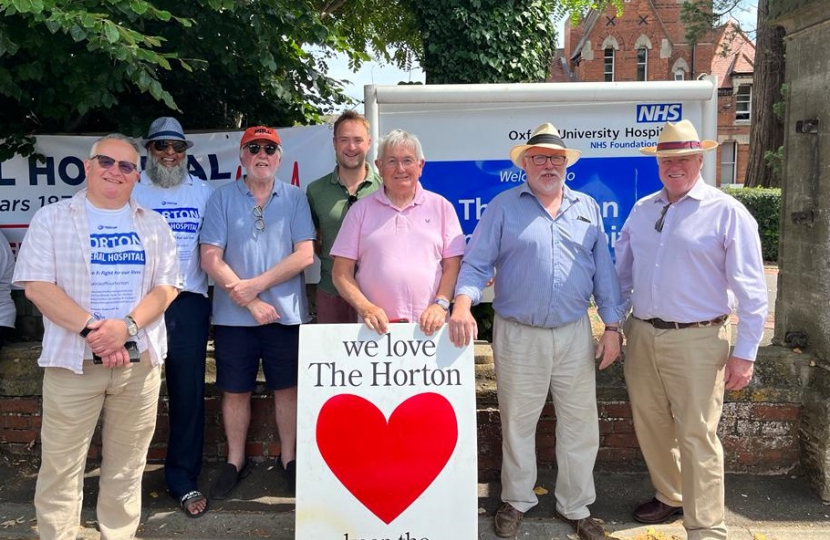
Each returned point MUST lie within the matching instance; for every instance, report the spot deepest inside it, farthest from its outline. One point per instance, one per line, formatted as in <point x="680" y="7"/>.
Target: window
<point x="642" y="62"/>
<point x="743" y="102"/>
<point x="728" y="151"/>
<point x="609" y="64"/>
<point x="679" y="75"/>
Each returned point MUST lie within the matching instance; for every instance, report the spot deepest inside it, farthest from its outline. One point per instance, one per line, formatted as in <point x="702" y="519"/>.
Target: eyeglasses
<point x="260" y="222"/>
<point x="406" y="163"/>
<point x="124" y="166"/>
<point x="352" y="200"/>
<point x="254" y="149"/>
<point x="177" y="146"/>
<point x="659" y="225"/>
<point x="541" y="159"/>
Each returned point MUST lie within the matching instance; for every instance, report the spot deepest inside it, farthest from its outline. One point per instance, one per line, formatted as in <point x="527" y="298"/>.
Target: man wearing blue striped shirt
<point x="548" y="250"/>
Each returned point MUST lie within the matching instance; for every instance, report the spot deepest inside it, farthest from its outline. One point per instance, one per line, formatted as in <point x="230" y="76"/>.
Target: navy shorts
<point x="238" y="350"/>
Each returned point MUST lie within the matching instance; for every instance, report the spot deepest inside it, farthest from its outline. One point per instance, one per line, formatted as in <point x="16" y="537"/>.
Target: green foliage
<point x="779" y="108"/>
<point x="489" y="41"/>
<point x="765" y="206"/>
<point x="99" y="66"/>
<point x="774" y="160"/>
<point x="700" y="16"/>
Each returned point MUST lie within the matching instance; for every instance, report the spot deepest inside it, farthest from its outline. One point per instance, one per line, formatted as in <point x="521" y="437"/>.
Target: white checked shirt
<point x="56" y="249"/>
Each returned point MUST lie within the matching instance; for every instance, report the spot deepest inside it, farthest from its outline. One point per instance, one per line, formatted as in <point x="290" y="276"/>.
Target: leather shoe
<point x="586" y="528"/>
<point x="655" y="511"/>
<point x="507" y="521"/>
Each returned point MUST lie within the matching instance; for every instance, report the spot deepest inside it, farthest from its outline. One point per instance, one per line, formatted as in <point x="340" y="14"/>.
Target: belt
<point x="671" y="325"/>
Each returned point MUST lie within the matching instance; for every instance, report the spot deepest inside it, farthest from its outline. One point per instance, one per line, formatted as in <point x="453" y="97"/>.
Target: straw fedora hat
<point x="677" y="140"/>
<point x="544" y="136"/>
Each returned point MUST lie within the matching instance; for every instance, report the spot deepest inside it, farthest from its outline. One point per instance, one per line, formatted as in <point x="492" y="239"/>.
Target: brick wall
<point x="759" y="428"/>
<point x="658" y="21"/>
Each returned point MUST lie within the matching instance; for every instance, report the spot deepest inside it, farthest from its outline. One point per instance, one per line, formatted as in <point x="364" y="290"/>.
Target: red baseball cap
<point x="259" y="133"/>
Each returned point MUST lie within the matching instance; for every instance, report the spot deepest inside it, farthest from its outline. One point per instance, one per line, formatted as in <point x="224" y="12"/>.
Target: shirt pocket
<point x="580" y="235"/>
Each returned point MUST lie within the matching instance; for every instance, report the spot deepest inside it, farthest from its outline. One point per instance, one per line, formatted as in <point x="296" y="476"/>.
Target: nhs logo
<point x="664" y="112"/>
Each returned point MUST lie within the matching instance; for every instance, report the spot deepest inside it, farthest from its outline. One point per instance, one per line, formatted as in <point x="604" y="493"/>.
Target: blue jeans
<point x="187" y="319"/>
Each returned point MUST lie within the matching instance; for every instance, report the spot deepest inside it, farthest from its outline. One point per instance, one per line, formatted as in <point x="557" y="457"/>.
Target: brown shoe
<point x="507" y="521"/>
<point x="655" y="511"/>
<point x="586" y="528"/>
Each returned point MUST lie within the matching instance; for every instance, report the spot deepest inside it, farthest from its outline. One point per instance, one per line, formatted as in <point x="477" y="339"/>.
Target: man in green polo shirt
<point x="330" y="197"/>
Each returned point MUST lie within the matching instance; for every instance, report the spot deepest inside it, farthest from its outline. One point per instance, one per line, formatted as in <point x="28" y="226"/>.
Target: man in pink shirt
<point x="398" y="252"/>
<point x="683" y="255"/>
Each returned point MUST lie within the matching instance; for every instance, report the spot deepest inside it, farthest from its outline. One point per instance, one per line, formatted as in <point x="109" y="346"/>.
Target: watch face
<point x="132" y="327"/>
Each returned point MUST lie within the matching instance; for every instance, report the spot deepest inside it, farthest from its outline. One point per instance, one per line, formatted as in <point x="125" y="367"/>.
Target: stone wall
<point x="759" y="430"/>
<point x="802" y="313"/>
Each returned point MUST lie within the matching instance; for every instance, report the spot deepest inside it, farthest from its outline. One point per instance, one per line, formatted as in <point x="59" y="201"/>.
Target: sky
<point x="383" y="74"/>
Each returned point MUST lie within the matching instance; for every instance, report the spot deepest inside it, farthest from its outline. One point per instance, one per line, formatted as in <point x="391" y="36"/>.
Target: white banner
<point x="26" y="184"/>
<point x="386" y="439"/>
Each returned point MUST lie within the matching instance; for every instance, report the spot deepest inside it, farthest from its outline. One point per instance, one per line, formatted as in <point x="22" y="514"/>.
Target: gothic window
<point x="609" y="64"/>
<point x="642" y="64"/>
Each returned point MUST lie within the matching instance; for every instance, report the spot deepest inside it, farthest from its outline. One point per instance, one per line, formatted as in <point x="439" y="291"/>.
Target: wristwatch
<point x="443" y="303"/>
<point x="86" y="329"/>
<point x="132" y="327"/>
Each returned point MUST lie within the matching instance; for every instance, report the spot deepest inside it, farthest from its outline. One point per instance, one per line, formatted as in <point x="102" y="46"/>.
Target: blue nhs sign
<point x="659" y="112"/>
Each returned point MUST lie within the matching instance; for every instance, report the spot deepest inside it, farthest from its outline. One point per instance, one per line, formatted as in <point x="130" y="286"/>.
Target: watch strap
<point x="86" y="329"/>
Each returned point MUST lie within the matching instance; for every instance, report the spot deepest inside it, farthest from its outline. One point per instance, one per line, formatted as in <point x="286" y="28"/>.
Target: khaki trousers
<point x="675" y="383"/>
<point x="72" y="404"/>
<point x="530" y="362"/>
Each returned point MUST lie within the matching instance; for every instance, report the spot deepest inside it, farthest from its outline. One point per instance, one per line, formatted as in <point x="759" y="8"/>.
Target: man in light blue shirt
<point x="547" y="247"/>
<point x="256" y="241"/>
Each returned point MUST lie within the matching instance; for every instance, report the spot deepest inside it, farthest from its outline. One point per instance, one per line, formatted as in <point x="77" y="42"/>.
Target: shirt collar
<point x="567" y="193"/>
<point x="380" y="195"/>
<point x="334" y="179"/>
<point x="78" y="202"/>
<point x="698" y="192"/>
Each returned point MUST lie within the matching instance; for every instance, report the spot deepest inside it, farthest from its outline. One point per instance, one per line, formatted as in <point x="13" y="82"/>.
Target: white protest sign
<point x="386" y="439"/>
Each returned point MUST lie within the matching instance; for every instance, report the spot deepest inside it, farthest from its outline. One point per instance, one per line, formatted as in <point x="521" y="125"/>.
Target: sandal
<point x="229" y="478"/>
<point x="190" y="498"/>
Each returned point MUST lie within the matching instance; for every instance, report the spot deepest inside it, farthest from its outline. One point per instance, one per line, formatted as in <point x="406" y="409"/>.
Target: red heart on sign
<point x="387" y="465"/>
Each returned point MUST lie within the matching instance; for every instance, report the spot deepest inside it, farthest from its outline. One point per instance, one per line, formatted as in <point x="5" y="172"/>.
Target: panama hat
<point x="544" y="136"/>
<point x="166" y="128"/>
<point x="677" y="140"/>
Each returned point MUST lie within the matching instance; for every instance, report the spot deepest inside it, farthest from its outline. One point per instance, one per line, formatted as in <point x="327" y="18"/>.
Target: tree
<point x="103" y="66"/>
<point x="491" y="41"/>
<point x="767" y="134"/>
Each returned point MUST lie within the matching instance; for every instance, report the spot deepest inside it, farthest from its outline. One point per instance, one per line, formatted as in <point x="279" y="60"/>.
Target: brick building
<point x="648" y="43"/>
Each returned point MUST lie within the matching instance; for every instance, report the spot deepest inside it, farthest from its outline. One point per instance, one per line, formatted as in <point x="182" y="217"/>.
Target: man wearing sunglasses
<point x="330" y="197"/>
<point x="546" y="245"/>
<point x="257" y="239"/>
<point x="102" y="270"/>
<point x="167" y="187"/>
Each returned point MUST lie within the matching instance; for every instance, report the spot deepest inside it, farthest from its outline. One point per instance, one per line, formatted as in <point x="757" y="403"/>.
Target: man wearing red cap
<point x="679" y="359"/>
<point x="256" y="241"/>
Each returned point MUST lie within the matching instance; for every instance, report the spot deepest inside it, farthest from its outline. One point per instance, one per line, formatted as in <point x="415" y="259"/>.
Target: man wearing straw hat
<point x="549" y="252"/>
<point x="683" y="255"/>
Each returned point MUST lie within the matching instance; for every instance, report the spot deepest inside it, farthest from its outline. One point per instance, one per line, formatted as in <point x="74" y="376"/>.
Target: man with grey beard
<point x="168" y="188"/>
